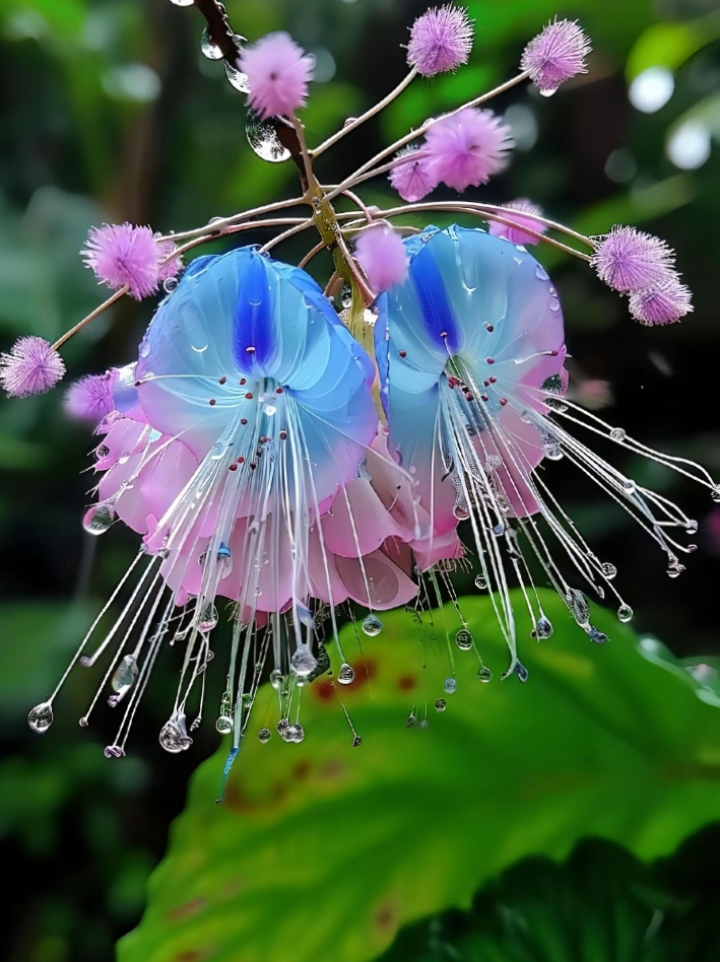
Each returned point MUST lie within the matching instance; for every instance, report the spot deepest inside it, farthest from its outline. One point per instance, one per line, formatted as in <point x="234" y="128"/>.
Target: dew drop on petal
<point x="40" y="718"/>
<point x="541" y="273"/>
<point x="170" y="284"/>
<point x="372" y="626"/>
<point x="346" y="675"/>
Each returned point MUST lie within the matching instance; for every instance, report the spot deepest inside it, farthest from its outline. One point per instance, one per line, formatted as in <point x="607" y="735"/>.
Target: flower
<point x="381" y="254"/>
<point x="662" y="304"/>
<point x="411" y="177"/>
<point x="627" y="259"/>
<point x="32" y="366"/>
<point x="471" y="358"/>
<point x="515" y="234"/>
<point x="440" y="40"/>
<point x="278" y="73"/>
<point x="122" y="255"/>
<point x="467" y="148"/>
<point x="91" y="398"/>
<point x="555" y="55"/>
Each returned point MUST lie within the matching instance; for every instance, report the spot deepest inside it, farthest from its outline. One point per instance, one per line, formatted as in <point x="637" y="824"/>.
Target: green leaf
<point x="321" y="850"/>
<point x="670" y="44"/>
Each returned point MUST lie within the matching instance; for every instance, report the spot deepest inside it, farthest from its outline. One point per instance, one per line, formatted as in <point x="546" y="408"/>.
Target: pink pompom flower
<point x="91" y="398"/>
<point x="466" y="148"/>
<point x="32" y="366"/>
<point x="120" y="255"/>
<point x="630" y="260"/>
<point x="663" y="304"/>
<point x="555" y="55"/>
<point x="278" y="72"/>
<point x="411" y="177"/>
<point x="440" y="40"/>
<point x="381" y="254"/>
<point x="515" y="234"/>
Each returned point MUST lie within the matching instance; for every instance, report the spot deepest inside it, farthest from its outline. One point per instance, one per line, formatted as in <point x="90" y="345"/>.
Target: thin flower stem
<point x="307" y="159"/>
<point x="353" y="125"/>
<point x="90" y="317"/>
<point x="367" y="293"/>
<point x="235" y="229"/>
<point x="356" y="200"/>
<point x="469" y="209"/>
<point x="310" y="254"/>
<point x="217" y="227"/>
<point x="414" y="134"/>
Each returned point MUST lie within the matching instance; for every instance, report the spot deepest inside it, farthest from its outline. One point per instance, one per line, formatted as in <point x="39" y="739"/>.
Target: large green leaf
<point x="321" y="850"/>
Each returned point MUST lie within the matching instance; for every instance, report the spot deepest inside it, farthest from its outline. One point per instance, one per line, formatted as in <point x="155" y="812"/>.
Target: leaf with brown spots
<point x="322" y="850"/>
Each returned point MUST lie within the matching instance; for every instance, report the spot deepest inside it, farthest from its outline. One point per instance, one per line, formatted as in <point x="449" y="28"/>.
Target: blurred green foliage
<point x="323" y="850"/>
<point x="109" y="112"/>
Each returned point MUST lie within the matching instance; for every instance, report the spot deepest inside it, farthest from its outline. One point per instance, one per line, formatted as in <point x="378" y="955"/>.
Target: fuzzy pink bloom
<point x="556" y="54"/>
<point x="172" y="268"/>
<point x="411" y="178"/>
<point x="91" y="398"/>
<point x="121" y="254"/>
<point x="440" y="40"/>
<point x="278" y="73"/>
<point x="381" y="254"/>
<point x="630" y="260"/>
<point x="32" y="366"/>
<point x="664" y="304"/>
<point x="515" y="234"/>
<point x="467" y="147"/>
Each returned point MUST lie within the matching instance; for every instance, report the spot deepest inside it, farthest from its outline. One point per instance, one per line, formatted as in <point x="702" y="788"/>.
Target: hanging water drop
<point x="170" y="284"/>
<point x="303" y="662"/>
<point x="481" y="583"/>
<point x="440" y="704"/>
<point x="449" y="686"/>
<point x="357" y="741"/>
<point x="183" y="3"/>
<point x="293" y="734"/>
<point x="541" y="273"/>
<point x="98" y="519"/>
<point x="552" y="449"/>
<point x="715" y="493"/>
<point x="521" y="671"/>
<point x="543" y="628"/>
<point x="276" y="679"/>
<point x="209" y="618"/>
<point x="597" y="637"/>
<point x="625" y="613"/>
<point x="263" y="137"/>
<point x="236" y="78"/>
<point x="549" y="92"/>
<point x="224" y="724"/>
<point x="281" y="727"/>
<point x="173" y="735"/>
<point x="124" y="677"/>
<point x="264" y="736"/>
<point x="484" y="674"/>
<point x="114" y="751"/>
<point x="304" y="615"/>
<point x="40" y="718"/>
<point x="464" y="639"/>
<point x="346" y="675"/>
<point x="609" y="570"/>
<point x="578" y="605"/>
<point x="618" y="434"/>
<point x="208" y="47"/>
<point x="372" y="626"/>
<point x="675" y="569"/>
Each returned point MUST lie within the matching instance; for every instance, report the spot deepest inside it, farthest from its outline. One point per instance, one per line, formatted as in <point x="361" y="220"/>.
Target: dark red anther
<point x="232" y="467"/>
<point x="453" y="381"/>
<point x="489" y="360"/>
<point x="503" y="401"/>
<point x="223" y="380"/>
<point x="279" y="390"/>
<point x="241" y="460"/>
<point x="489" y="328"/>
<point x="212" y="402"/>
<point x="283" y="435"/>
<point x="249" y="395"/>
<point x="243" y="381"/>
<point x="492" y="379"/>
<point x="484" y="397"/>
<point x="253" y="465"/>
<point x="243" y="420"/>
<point x="469" y="396"/>
<point x="138" y="383"/>
<point x="402" y="353"/>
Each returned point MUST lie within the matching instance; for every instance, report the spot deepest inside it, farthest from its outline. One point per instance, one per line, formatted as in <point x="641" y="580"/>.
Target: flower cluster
<point x="297" y="452"/>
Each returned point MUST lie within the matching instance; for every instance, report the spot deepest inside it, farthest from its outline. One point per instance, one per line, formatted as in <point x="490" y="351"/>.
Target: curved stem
<point x="217" y="227"/>
<point x="288" y="233"/>
<point x="90" y="317"/>
<point x="354" y="124"/>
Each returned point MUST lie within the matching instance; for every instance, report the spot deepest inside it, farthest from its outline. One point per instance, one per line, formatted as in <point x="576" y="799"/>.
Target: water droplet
<point x="609" y="570"/>
<point x="263" y="138"/>
<point x="303" y="661"/>
<point x="281" y="727"/>
<point x="173" y="735"/>
<point x="412" y="719"/>
<point x="554" y="304"/>
<point x="236" y="78"/>
<point x="618" y="434"/>
<point x="264" y="735"/>
<point x="210" y="49"/>
<point x="144" y="348"/>
<point x="224" y="724"/>
<point x="526" y="416"/>
<point x="629" y="486"/>
<point x="691" y="527"/>
<point x="675" y="569"/>
<point x="124" y="677"/>
<point x="276" y="679"/>
<point x="372" y="626"/>
<point x="521" y="671"/>
<point x="293" y="733"/>
<point x="597" y="637"/>
<point x="449" y="686"/>
<point x="98" y="519"/>
<point x="548" y="92"/>
<point x="552" y="449"/>
<point x="625" y="613"/>
<point x="114" y="751"/>
<point x="484" y="674"/>
<point x="464" y="639"/>
<point x="346" y="675"/>
<point x="440" y="704"/>
<point x="543" y="628"/>
<point x="578" y="605"/>
<point x="480" y="583"/>
<point x="357" y="741"/>
<point x="183" y="3"/>
<point x="498" y="530"/>
<point x="209" y="618"/>
<point x="40" y="718"/>
<point x="170" y="284"/>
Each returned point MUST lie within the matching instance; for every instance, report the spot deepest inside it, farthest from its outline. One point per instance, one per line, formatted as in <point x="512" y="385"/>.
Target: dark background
<point x="108" y="112"/>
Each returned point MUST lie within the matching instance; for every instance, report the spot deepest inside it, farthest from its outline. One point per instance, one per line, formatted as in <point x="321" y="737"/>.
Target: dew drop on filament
<point x="173" y="735"/>
<point x="124" y="677"/>
<point x="440" y="704"/>
<point x="464" y="639"/>
<point x="449" y="686"/>
<point x="625" y="613"/>
<point x="99" y="519"/>
<point x="41" y="717"/>
<point x="346" y="675"/>
<point x="303" y="661"/>
<point x="210" y="49"/>
<point x="209" y="618"/>
<point x="484" y="674"/>
<point x="264" y="736"/>
<point x="372" y="626"/>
